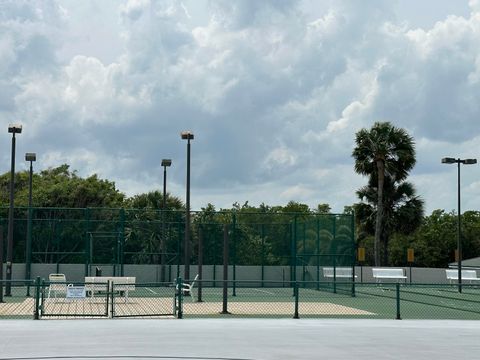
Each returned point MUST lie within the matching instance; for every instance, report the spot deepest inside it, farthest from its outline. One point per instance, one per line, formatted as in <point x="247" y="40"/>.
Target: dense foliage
<point x="60" y="187"/>
<point x="262" y="232"/>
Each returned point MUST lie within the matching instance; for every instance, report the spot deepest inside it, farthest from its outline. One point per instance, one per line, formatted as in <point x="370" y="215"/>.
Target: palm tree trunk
<point x="378" y="223"/>
<point x="385" y="239"/>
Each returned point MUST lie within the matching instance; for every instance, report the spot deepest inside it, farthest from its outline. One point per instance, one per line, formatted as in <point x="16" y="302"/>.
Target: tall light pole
<point x="449" y="160"/>
<point x="187" y="135"/>
<point x="13" y="129"/>
<point x="28" y="271"/>
<point x="165" y="163"/>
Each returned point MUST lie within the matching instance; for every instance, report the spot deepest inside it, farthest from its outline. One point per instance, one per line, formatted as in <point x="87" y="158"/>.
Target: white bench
<point x="468" y="275"/>
<point x="118" y="283"/>
<point x="388" y="274"/>
<point x="340" y="272"/>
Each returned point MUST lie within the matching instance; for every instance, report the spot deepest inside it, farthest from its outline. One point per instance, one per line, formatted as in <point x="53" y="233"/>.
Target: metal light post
<point x="165" y="163"/>
<point x="29" y="157"/>
<point x="187" y="135"/>
<point x="13" y="129"/>
<point x="449" y="160"/>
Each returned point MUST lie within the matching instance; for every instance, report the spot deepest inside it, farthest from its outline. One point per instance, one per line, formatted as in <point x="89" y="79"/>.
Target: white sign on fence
<point x="75" y="292"/>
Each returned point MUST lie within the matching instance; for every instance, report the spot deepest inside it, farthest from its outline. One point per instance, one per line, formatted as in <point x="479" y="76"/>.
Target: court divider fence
<point x="302" y="243"/>
<point x="48" y="300"/>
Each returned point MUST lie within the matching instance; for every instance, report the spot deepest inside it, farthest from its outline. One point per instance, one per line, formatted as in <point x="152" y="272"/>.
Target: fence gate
<point x="66" y="300"/>
<point x="60" y="299"/>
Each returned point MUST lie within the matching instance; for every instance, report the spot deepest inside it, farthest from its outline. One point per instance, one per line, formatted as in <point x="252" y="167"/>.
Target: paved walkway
<point x="239" y="339"/>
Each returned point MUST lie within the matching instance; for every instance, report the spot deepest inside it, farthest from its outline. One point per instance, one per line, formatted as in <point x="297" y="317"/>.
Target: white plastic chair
<point x="187" y="288"/>
<point x="58" y="283"/>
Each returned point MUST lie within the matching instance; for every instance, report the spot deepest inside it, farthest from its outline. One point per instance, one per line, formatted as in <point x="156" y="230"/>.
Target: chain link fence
<point x="247" y="299"/>
<point x="113" y="238"/>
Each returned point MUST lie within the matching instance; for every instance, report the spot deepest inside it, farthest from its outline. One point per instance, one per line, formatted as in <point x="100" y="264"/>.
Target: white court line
<point x="264" y="291"/>
<point x="154" y="292"/>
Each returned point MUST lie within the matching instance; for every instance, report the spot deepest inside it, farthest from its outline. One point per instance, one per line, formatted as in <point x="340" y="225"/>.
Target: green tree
<point x="60" y="187"/>
<point x="211" y="223"/>
<point x="384" y="150"/>
<point x="436" y="240"/>
<point x="324" y="209"/>
<point x="59" y="195"/>
<point x="152" y="230"/>
<point x="403" y="210"/>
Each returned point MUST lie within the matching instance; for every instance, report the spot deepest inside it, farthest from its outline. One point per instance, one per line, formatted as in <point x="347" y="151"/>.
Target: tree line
<point x="389" y="214"/>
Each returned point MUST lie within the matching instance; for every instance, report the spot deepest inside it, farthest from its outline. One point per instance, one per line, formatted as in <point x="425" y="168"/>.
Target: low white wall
<point x="151" y="273"/>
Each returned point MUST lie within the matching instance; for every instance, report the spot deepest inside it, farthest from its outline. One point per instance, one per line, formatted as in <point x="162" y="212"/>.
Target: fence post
<point x="398" y="302"/>
<point x="87" y="241"/>
<point x="295" y="290"/>
<point x="110" y="296"/>
<point x="36" y="313"/>
<point x="234" y="227"/>
<point x="335" y="273"/>
<point x="121" y="259"/>
<point x="28" y="257"/>
<point x="179" y="293"/>
<point x="225" y="270"/>
<point x="200" y="263"/>
<point x="262" y="255"/>
<point x="293" y="274"/>
<point x="1" y="264"/>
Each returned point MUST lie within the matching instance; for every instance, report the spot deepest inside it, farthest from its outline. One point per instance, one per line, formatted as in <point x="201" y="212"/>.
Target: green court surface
<point x="314" y="300"/>
<point x="367" y="301"/>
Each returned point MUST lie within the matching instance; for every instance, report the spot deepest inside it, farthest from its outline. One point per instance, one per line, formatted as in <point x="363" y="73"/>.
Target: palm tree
<point x="384" y="150"/>
<point x="403" y="209"/>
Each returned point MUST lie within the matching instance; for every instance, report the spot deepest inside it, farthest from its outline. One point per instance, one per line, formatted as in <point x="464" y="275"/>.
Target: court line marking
<point x="264" y="291"/>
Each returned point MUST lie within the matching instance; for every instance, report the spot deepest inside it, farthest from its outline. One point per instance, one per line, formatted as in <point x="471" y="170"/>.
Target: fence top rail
<point x="310" y="214"/>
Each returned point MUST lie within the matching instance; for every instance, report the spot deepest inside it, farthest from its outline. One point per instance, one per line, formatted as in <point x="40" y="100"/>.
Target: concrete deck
<point x="239" y="339"/>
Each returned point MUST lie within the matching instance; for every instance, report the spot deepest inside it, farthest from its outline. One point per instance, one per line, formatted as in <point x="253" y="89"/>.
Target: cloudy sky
<point x="274" y="91"/>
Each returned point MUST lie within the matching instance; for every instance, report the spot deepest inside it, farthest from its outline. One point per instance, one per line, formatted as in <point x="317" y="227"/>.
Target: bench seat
<point x="388" y="273"/>
<point x="468" y="275"/>
<point x="118" y="283"/>
<point x="340" y="272"/>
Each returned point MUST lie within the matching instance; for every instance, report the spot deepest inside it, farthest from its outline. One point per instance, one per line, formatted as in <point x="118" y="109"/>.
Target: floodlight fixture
<point x="30" y="157"/>
<point x="166" y="162"/>
<point x="470" y="161"/>
<point x="15" y="128"/>
<point x="187" y="135"/>
<point x="448" y="160"/>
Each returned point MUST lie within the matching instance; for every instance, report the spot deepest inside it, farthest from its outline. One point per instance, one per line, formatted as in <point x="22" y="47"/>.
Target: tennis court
<point x="272" y="300"/>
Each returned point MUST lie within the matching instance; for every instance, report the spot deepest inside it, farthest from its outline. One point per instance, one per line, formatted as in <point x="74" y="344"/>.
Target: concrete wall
<point x="251" y="274"/>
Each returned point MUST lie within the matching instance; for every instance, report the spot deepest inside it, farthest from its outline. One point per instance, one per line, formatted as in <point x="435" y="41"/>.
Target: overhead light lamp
<point x="15" y="128"/>
<point x="30" y="157"/>
<point x="448" y="160"/>
<point x="187" y="135"/>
